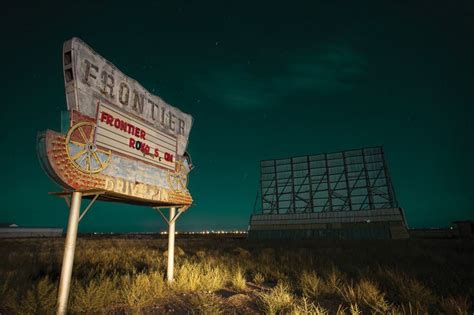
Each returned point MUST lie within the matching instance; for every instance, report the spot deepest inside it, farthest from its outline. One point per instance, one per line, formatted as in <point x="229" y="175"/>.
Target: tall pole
<point x="69" y="249"/>
<point x="171" y="231"/>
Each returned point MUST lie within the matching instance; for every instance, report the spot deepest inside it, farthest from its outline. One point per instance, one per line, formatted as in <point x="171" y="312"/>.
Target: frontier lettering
<point x="122" y="95"/>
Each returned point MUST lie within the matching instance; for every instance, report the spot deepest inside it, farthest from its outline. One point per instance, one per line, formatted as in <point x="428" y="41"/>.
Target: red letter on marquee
<point x="110" y="120"/>
<point x="103" y="116"/>
<point x="168" y="157"/>
<point x="131" y="144"/>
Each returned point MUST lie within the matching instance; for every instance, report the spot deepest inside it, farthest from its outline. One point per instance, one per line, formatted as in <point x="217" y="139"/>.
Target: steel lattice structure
<point x="341" y="181"/>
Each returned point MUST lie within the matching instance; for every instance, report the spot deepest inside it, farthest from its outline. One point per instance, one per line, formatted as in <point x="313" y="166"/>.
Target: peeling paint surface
<point x="90" y="78"/>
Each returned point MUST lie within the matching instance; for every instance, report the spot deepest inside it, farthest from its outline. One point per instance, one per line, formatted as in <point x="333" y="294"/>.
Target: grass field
<point x="121" y="275"/>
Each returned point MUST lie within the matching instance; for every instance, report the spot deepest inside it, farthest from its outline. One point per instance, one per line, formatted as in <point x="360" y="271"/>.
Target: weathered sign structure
<point x="122" y="139"/>
<point x="124" y="144"/>
<point x="337" y="195"/>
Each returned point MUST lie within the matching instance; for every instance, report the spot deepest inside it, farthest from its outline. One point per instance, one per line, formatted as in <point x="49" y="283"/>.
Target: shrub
<point x="267" y="255"/>
<point x="201" y="254"/>
<point x="334" y="281"/>
<point x="199" y="276"/>
<point x="258" y="278"/>
<point x="354" y="309"/>
<point x="410" y="290"/>
<point x="142" y="289"/>
<point x="94" y="296"/>
<point x="277" y="300"/>
<point x="304" y="307"/>
<point x="41" y="299"/>
<point x="371" y="296"/>
<point x="203" y="303"/>
<point x="349" y="293"/>
<point x="178" y="252"/>
<point x="366" y="293"/>
<point x="238" y="280"/>
<point x="456" y="305"/>
<point x="242" y="253"/>
<point x="311" y="284"/>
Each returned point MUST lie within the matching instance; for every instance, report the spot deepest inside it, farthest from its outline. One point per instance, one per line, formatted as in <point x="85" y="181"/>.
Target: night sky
<point x="262" y="81"/>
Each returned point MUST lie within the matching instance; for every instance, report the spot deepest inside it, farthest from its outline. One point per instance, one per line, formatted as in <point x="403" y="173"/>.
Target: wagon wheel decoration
<point x="82" y="151"/>
<point x="178" y="180"/>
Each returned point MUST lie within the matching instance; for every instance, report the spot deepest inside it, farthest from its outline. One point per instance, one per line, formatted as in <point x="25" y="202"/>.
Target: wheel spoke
<point x="181" y="185"/>
<point x="91" y="137"/>
<point x="97" y="158"/>
<point x="80" y="142"/>
<point x="78" y="155"/>
<point x="77" y="143"/>
<point x="82" y="134"/>
<point x="104" y="151"/>
<point x="88" y="162"/>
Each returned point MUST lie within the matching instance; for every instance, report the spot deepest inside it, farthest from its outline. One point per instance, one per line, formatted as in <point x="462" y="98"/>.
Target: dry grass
<point x="311" y="284"/>
<point x="456" y="305"/>
<point x="143" y="289"/>
<point x="278" y="300"/>
<point x="413" y="294"/>
<point x="40" y="299"/>
<point x="193" y="276"/>
<point x="120" y="275"/>
<point x="304" y="307"/>
<point x="238" y="279"/>
<point x="334" y="281"/>
<point x="203" y="303"/>
<point x="365" y="293"/>
<point x="258" y="278"/>
<point x="92" y="296"/>
<point x="372" y="297"/>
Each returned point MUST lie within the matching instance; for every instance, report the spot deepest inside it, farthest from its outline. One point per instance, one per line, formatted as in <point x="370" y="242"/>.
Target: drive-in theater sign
<point x="123" y="144"/>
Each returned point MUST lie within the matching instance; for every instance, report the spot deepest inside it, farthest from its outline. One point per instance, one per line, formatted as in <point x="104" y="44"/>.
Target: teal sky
<point x="262" y="81"/>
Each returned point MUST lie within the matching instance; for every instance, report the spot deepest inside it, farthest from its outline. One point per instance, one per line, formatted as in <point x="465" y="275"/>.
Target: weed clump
<point x="205" y="303"/>
<point x="258" y="278"/>
<point x="143" y="289"/>
<point x="456" y="305"/>
<point x="40" y="299"/>
<point x="191" y="276"/>
<point x="304" y="307"/>
<point x="311" y="284"/>
<point x="278" y="300"/>
<point x="365" y="293"/>
<point x="238" y="280"/>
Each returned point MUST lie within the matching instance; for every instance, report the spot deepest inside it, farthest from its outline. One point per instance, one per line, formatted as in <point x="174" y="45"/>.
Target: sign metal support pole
<point x="173" y="216"/>
<point x="69" y="249"/>
<point x="171" y="233"/>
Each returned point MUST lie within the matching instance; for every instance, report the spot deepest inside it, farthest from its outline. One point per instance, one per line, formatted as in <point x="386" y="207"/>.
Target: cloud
<point x="236" y="88"/>
<point x="328" y="70"/>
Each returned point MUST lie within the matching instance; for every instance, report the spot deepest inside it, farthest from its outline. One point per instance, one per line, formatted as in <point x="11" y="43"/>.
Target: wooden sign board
<point x="122" y="140"/>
